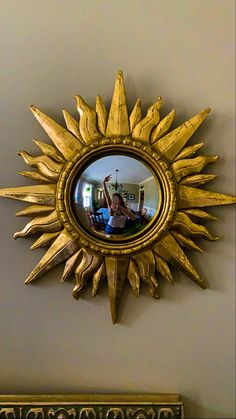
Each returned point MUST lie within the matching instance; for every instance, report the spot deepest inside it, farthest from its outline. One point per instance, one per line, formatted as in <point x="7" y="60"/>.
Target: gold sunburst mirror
<point x="118" y="196"/>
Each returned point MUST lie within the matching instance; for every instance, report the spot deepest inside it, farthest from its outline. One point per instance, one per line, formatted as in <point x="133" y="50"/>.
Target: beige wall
<point x="184" y="51"/>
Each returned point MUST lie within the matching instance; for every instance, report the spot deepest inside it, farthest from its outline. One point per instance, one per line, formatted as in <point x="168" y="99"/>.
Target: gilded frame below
<point x="92" y="406"/>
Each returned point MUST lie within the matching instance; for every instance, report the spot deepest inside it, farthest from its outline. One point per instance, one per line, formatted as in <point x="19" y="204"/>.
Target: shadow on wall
<point x="192" y="410"/>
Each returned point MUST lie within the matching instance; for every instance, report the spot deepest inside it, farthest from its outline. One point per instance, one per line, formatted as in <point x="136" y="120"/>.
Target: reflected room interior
<point x="116" y="196"/>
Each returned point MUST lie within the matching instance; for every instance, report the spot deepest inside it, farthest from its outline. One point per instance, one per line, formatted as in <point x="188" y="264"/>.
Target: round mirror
<point x="116" y="197"/>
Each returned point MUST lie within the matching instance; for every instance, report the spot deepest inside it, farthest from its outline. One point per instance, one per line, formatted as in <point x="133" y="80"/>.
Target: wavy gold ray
<point x="48" y="223"/>
<point x="171" y="144"/>
<point x="197" y="213"/>
<point x="101" y="115"/>
<point x="196" y="198"/>
<point x="163" y="268"/>
<point x="169" y="249"/>
<point x="88" y="121"/>
<point x="143" y="129"/>
<point x="33" y="175"/>
<point x="188" y="167"/>
<point x="65" y="142"/>
<point x="185" y="241"/>
<point x="34" y="210"/>
<point x="197" y="180"/>
<point x="116" y="269"/>
<point x="133" y="276"/>
<point x="45" y="165"/>
<point x="38" y="194"/>
<point x="136" y="115"/>
<point x="62" y="248"/>
<point x="163" y="127"/>
<point x="49" y="150"/>
<point x="71" y="265"/>
<point x="86" y="268"/>
<point x="188" y="151"/>
<point x="146" y="265"/>
<point x="72" y="125"/>
<point x="98" y="277"/>
<point x="183" y="223"/>
<point x="45" y="239"/>
<point x="118" y="119"/>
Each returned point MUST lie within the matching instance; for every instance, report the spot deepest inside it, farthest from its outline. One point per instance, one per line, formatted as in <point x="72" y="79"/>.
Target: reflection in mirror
<point x="116" y="196"/>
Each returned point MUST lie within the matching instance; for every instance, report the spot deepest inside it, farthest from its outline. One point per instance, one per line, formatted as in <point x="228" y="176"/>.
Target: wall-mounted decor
<point x="92" y="406"/>
<point x="131" y="196"/>
<point x="63" y="216"/>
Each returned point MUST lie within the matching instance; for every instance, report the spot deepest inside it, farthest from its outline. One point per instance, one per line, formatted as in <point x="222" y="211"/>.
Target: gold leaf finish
<point x="118" y="120"/>
<point x="38" y="194"/>
<point x="195" y="198"/>
<point x="88" y="121"/>
<point x="170" y="145"/>
<point x="116" y="270"/>
<point x="136" y="115"/>
<point x="143" y="129"/>
<point x="102" y="115"/>
<point x="163" y="127"/>
<point x="147" y="256"/>
<point x="64" y="141"/>
<point x="50" y="150"/>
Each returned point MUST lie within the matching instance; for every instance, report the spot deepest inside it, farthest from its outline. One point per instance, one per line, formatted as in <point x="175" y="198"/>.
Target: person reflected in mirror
<point x="118" y="213"/>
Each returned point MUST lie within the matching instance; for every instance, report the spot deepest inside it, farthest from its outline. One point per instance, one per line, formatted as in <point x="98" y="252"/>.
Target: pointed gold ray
<point x="102" y="115"/>
<point x="34" y="210"/>
<point x="183" y="223"/>
<point x="45" y="165"/>
<point x="185" y="241"/>
<point x="65" y="142"/>
<point x="197" y="180"/>
<point x="33" y="175"/>
<point x="143" y="129"/>
<point x="49" y="150"/>
<point x="163" y="127"/>
<point x="146" y="265"/>
<point x="48" y="224"/>
<point x="136" y="115"/>
<point x="196" y="198"/>
<point x="38" y="194"/>
<point x="62" y="248"/>
<point x="116" y="269"/>
<point x="171" y="144"/>
<point x="85" y="270"/>
<point x="72" y="125"/>
<point x="98" y="277"/>
<point x="44" y="240"/>
<point x="188" y="151"/>
<point x="169" y="249"/>
<point x="71" y="265"/>
<point x="88" y="121"/>
<point x="163" y="268"/>
<point x="118" y="120"/>
<point x="133" y="276"/>
<point x="188" y="167"/>
<point x="197" y="213"/>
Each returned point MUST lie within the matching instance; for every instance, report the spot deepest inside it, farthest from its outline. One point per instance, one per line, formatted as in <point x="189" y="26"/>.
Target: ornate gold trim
<point x="147" y="256"/>
<point x="93" y="406"/>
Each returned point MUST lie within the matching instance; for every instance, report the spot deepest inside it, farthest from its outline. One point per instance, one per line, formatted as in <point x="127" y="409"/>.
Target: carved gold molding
<point x="146" y="256"/>
<point x="102" y="406"/>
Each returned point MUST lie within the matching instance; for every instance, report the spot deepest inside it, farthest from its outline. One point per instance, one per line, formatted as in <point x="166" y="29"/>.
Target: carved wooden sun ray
<point x="148" y="134"/>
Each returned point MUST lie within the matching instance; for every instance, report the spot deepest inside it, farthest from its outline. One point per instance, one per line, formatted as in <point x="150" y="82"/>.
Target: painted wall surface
<point x="182" y="50"/>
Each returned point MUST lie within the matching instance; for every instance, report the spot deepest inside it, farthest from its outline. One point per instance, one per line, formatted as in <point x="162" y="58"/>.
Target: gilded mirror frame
<point x="147" y="256"/>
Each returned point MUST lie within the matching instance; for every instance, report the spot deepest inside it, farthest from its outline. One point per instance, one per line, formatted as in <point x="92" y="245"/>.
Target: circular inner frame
<point x="158" y="225"/>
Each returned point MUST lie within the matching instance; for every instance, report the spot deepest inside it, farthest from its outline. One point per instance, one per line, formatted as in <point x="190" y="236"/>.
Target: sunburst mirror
<point x="117" y="196"/>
